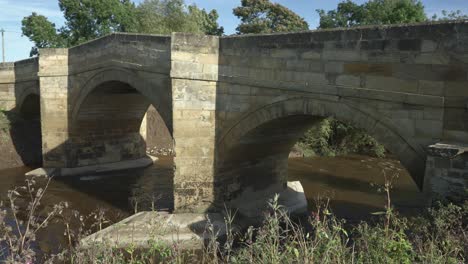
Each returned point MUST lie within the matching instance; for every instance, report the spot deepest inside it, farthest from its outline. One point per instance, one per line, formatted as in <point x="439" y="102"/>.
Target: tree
<point x="450" y="15"/>
<point x="208" y="21"/>
<point x="262" y="16"/>
<point x="90" y="19"/>
<point x="167" y="16"/>
<point x="85" y="20"/>
<point x="42" y="32"/>
<point x="376" y="12"/>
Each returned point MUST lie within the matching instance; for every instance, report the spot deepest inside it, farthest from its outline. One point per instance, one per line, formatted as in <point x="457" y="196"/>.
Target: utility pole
<point x="3" y="44"/>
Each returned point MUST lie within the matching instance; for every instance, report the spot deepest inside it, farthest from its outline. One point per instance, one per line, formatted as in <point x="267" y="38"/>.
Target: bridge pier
<point x="194" y="86"/>
<point x="54" y="90"/>
<point x="447" y="172"/>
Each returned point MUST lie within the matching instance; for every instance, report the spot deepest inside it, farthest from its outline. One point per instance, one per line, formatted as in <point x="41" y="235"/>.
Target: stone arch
<point x="107" y="114"/>
<point x="25" y="131"/>
<point x="154" y="92"/>
<point x="304" y="111"/>
<point x="29" y="101"/>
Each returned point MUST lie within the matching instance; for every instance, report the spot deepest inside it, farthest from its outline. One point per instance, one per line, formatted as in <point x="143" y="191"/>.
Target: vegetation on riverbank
<point x="331" y="137"/>
<point x="439" y="235"/>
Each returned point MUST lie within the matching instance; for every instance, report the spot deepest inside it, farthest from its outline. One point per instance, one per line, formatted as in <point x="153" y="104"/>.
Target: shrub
<point x="331" y="137"/>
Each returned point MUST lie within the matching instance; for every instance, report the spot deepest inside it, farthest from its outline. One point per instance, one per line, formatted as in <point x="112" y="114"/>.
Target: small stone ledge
<point x="447" y="150"/>
<point x="101" y="168"/>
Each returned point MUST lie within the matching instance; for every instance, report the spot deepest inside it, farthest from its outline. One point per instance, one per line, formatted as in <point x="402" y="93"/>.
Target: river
<point x="351" y="182"/>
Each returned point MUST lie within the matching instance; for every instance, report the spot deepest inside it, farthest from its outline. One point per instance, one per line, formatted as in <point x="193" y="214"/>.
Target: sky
<point x="17" y="47"/>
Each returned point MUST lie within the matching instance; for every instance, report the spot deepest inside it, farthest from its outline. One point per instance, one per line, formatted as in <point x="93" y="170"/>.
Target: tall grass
<point x="438" y="236"/>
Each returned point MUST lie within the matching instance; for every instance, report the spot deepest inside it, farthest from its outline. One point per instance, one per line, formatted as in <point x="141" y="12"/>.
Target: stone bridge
<point x="235" y="105"/>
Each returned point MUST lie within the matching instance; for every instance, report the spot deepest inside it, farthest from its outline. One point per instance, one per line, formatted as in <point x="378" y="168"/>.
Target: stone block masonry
<point x="194" y="88"/>
<point x="53" y="81"/>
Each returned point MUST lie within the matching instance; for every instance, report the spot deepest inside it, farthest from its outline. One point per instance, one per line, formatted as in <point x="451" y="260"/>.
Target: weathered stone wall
<point x="7" y="86"/>
<point x="194" y="84"/>
<point x="26" y="80"/>
<point x="17" y="80"/>
<point x="53" y="81"/>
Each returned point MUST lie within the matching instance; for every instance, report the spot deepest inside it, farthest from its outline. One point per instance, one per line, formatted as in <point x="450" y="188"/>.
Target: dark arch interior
<point x="31" y="107"/>
<point x="107" y="126"/>
<point x="26" y="131"/>
<point x="259" y="159"/>
<point x="112" y="107"/>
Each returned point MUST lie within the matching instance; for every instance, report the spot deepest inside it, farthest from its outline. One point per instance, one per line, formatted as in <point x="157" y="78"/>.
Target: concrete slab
<point x="187" y="230"/>
<point x="101" y="168"/>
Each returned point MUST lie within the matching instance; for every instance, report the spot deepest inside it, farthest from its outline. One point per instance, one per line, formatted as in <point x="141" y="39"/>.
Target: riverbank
<point x="438" y="235"/>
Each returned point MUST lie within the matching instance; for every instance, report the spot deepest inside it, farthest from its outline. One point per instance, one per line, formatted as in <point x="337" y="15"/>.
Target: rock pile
<point x="155" y="151"/>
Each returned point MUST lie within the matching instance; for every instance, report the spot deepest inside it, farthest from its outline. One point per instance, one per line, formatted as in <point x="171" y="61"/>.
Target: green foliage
<point x="90" y="19"/>
<point x="438" y="236"/>
<point x="450" y="15"/>
<point x="85" y="20"/>
<point x="164" y="17"/>
<point x="263" y="16"/>
<point x="331" y="137"/>
<point x="375" y="244"/>
<point x="41" y="32"/>
<point x="207" y="21"/>
<point x="376" y="12"/>
<point x="167" y="16"/>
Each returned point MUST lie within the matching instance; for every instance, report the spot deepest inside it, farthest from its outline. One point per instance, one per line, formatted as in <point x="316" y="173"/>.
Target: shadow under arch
<point x="107" y="113"/>
<point x="156" y="93"/>
<point x="25" y="130"/>
<point x="260" y="141"/>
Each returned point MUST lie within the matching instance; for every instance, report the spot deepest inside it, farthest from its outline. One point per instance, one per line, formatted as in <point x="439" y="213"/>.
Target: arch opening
<point x="31" y="107"/>
<point x="110" y="125"/>
<point x="25" y="130"/>
<point x="259" y="159"/>
<point x="253" y="153"/>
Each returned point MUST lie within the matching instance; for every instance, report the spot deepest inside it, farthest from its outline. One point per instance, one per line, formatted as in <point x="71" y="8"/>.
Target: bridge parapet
<point x="7" y="85"/>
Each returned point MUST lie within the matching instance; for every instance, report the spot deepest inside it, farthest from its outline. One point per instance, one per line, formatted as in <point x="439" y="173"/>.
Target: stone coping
<point x="101" y="168"/>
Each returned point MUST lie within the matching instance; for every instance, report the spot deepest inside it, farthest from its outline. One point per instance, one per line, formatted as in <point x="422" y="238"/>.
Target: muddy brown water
<point x="351" y="182"/>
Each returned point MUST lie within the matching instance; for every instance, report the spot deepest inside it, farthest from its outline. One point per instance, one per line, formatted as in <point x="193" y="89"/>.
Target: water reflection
<point x="352" y="183"/>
